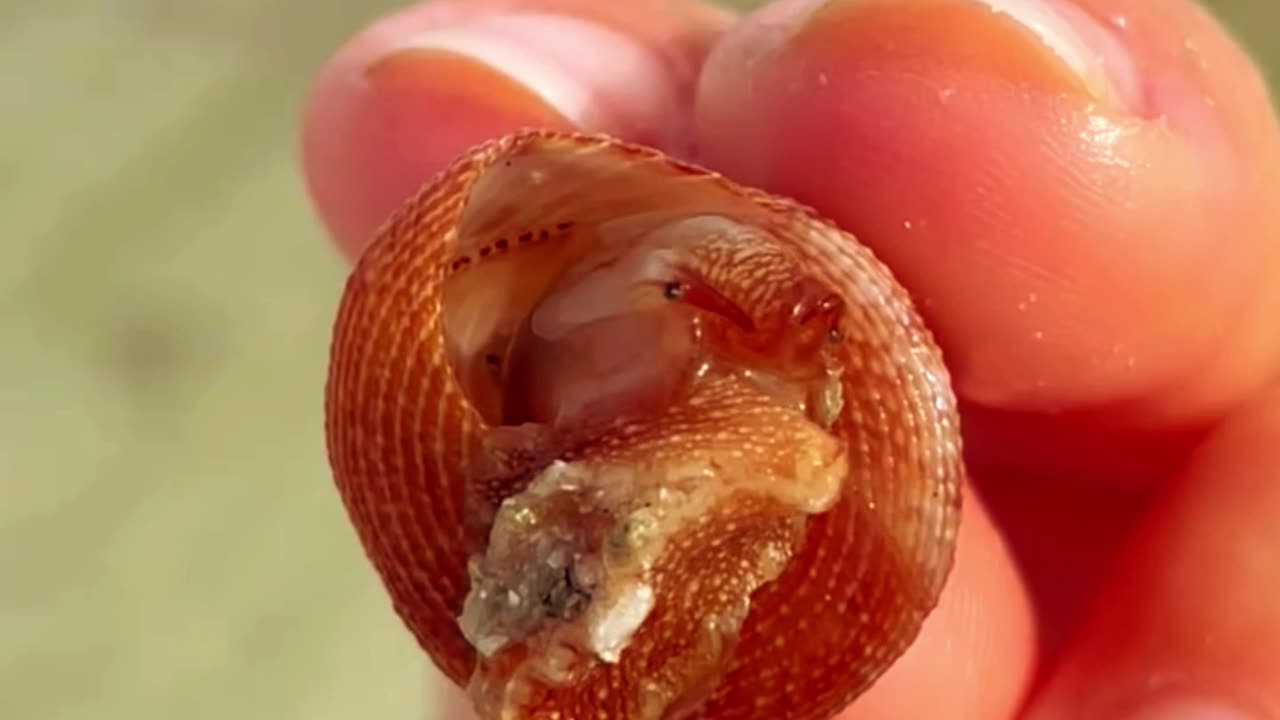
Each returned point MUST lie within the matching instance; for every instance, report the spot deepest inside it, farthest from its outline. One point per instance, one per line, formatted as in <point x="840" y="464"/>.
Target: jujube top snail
<point x="627" y="440"/>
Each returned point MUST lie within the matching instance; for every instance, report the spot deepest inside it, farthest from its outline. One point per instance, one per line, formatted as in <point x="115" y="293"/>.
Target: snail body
<point x="625" y="439"/>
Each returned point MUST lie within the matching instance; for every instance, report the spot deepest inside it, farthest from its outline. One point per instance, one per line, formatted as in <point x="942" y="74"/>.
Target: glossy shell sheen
<point x="756" y="605"/>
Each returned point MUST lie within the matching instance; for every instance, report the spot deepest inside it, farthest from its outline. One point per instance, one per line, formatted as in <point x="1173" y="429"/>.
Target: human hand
<point x="1084" y="198"/>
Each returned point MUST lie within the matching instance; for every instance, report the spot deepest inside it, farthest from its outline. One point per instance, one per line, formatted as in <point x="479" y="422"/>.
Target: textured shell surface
<point x="626" y="439"/>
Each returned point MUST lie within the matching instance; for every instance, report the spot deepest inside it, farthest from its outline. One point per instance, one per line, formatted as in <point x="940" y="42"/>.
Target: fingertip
<point x="414" y="90"/>
<point x="398" y="102"/>
<point x="376" y="129"/>
<point x="1049" y="181"/>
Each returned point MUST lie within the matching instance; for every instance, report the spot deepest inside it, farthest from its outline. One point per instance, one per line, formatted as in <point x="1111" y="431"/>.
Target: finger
<point x="975" y="652"/>
<point x="1188" y="623"/>
<point x="1082" y="194"/>
<point x="416" y="89"/>
<point x="1081" y="197"/>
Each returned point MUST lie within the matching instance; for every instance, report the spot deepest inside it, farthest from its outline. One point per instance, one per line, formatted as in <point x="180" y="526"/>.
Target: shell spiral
<point x="761" y="538"/>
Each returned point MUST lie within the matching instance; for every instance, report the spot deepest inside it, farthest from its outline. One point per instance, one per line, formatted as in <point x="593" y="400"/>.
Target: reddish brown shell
<point x="402" y="434"/>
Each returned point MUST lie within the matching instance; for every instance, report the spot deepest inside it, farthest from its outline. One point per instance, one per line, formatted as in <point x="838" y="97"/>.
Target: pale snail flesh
<point x="627" y="440"/>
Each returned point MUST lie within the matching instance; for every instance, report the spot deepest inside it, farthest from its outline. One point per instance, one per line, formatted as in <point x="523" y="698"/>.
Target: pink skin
<point x="1095" y="250"/>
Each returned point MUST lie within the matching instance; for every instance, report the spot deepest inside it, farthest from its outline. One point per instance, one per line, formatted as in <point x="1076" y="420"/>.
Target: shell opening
<point x="658" y="382"/>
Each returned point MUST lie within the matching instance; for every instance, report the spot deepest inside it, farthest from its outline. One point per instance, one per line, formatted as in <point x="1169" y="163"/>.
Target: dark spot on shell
<point x="484" y="251"/>
<point x="565" y="599"/>
<point x="502" y="244"/>
<point x="526" y="237"/>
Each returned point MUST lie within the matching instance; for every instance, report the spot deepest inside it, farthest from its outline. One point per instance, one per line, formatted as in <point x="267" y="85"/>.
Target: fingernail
<point x="1188" y="709"/>
<point x="1084" y="45"/>
<point x="621" y="89"/>
<point x="415" y="71"/>
<point x="1087" y="47"/>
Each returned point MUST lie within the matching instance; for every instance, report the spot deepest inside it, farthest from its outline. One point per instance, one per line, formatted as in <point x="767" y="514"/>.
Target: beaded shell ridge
<point x="625" y="439"/>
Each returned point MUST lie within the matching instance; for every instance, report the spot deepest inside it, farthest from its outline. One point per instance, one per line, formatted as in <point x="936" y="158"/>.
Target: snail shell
<point x="625" y="439"/>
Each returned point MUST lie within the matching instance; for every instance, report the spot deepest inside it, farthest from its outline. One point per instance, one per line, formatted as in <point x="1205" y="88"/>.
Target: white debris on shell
<point x="611" y="627"/>
<point x="543" y="569"/>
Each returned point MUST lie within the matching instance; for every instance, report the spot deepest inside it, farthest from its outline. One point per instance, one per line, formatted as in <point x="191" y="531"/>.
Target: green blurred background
<point x="170" y="543"/>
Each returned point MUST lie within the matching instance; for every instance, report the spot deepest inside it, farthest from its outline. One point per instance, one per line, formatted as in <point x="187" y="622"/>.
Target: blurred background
<point x="170" y="542"/>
